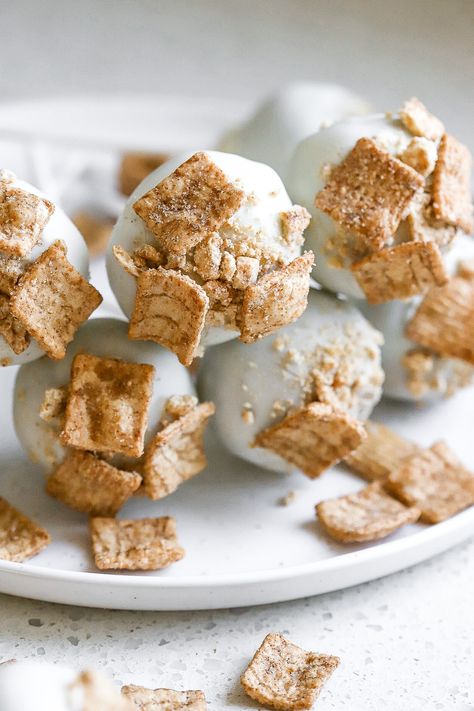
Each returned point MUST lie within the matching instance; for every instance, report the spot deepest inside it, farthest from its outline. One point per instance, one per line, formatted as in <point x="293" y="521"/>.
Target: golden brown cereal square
<point x="419" y="121"/>
<point x="435" y="482"/>
<point x="195" y="200"/>
<point x="98" y="693"/>
<point x="52" y="299"/>
<point x="20" y="538"/>
<point x="207" y="257"/>
<point x="283" y="676"/>
<point x="89" y="484"/>
<point x="313" y="437"/>
<point x="176" y="453"/>
<point x="367" y="515"/>
<point x="54" y="404"/>
<point x="452" y="201"/>
<point x="399" y="272"/>
<point x="164" y="699"/>
<point x="95" y="230"/>
<point x="22" y="219"/>
<point x="293" y="224"/>
<point x="11" y="269"/>
<point x="107" y="408"/>
<point x="141" y="544"/>
<point x="276" y="300"/>
<point x="444" y="321"/>
<point x="369" y="193"/>
<point x="170" y="308"/>
<point x="11" y="329"/>
<point x="380" y="453"/>
<point x="135" y="166"/>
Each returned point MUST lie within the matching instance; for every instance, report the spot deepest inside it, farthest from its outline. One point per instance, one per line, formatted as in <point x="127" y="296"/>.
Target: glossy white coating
<point x="103" y="337"/>
<point x="257" y="377"/>
<point x="258" y="218"/>
<point x="59" y="226"/>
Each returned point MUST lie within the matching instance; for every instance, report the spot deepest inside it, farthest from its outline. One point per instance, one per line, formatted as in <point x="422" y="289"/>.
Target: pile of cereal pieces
<point x="281" y="675"/>
<point x="44" y="292"/>
<point x="391" y="211"/>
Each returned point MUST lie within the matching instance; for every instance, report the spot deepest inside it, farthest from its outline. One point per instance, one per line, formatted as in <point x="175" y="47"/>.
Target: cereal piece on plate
<point x="54" y="404"/>
<point x="195" y="200"/>
<point x="367" y="515"/>
<point x="313" y="437"/>
<point x="419" y="121"/>
<point x="444" y="321"/>
<point x="23" y="216"/>
<point x="52" y="299"/>
<point x="20" y="538"/>
<point x="134" y="167"/>
<point x="141" y="544"/>
<point x="399" y="272"/>
<point x="164" y="699"/>
<point x="293" y="224"/>
<point x="452" y="201"/>
<point x="107" y="408"/>
<point x="276" y="300"/>
<point x="369" y="193"/>
<point x="11" y="329"/>
<point x="380" y="453"/>
<point x="283" y="676"/>
<point x="89" y="484"/>
<point x="176" y="453"/>
<point x="97" y="693"/>
<point x="11" y="269"/>
<point x="434" y="481"/>
<point x="170" y="308"/>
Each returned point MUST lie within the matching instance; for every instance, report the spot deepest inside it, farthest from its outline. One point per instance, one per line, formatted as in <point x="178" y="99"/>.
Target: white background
<point x="406" y="642"/>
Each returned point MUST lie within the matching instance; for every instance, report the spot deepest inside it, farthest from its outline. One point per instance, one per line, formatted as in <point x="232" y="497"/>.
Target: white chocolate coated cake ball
<point x="103" y="337"/>
<point x="331" y="345"/>
<point x="252" y="238"/>
<point x="40" y="686"/>
<point x="57" y="227"/>
<point x="282" y="121"/>
<point x="414" y="373"/>
<point x="336" y="249"/>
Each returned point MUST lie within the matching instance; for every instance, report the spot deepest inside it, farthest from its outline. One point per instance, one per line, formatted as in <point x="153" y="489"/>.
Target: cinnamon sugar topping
<point x="23" y="216"/>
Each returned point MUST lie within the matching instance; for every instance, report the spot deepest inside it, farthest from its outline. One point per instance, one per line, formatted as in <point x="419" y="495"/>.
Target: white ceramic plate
<point x="242" y="547"/>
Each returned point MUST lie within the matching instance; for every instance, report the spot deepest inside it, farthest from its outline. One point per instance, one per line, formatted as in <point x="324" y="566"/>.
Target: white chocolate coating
<point x="308" y="176"/>
<point x="258" y="218"/>
<point x="282" y="121"/>
<point x="33" y="686"/>
<point x="104" y="337"/>
<point x="59" y="226"/>
<point x="257" y="377"/>
<point x="391" y="319"/>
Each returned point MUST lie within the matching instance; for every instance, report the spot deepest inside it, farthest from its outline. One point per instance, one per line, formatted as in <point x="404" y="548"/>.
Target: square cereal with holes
<point x="23" y="216"/>
<point x="435" y="481"/>
<point x="399" y="272"/>
<point x="176" y="453"/>
<point x="20" y="538"/>
<point x="140" y="544"/>
<point x="107" y="407"/>
<point x="276" y="300"/>
<point x="367" y="515"/>
<point x="283" y="676"/>
<point x="444" y="321"/>
<point x="313" y="437"/>
<point x="170" y="309"/>
<point x="190" y="204"/>
<point x="86" y="483"/>
<point x="381" y="452"/>
<point x="369" y="193"/>
<point x="164" y="699"/>
<point x="52" y="299"/>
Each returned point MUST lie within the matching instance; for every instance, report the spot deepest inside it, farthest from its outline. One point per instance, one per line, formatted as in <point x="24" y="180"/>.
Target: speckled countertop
<point x="406" y="642"/>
